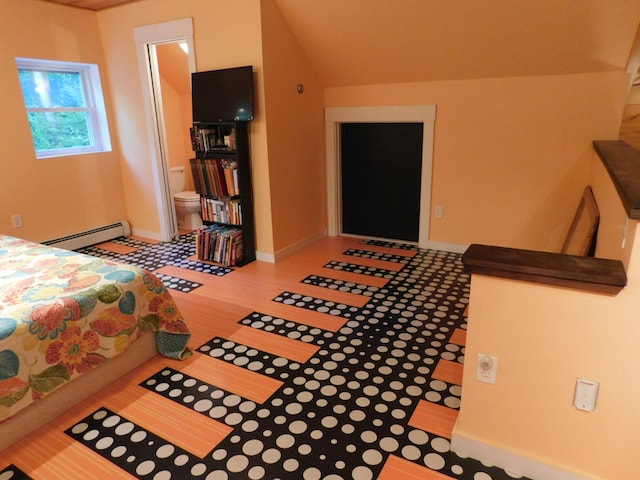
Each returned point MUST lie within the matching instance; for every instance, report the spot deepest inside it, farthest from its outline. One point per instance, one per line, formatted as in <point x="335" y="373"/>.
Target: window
<point x="65" y="107"/>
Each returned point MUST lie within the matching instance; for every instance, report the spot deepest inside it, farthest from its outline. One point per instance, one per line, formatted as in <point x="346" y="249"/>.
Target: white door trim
<point x="425" y="114"/>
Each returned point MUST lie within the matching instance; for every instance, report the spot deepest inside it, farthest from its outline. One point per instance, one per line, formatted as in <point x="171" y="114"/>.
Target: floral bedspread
<point x="63" y="313"/>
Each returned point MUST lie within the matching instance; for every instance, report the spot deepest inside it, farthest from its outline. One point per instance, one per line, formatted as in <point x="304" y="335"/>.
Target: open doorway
<point x="151" y="41"/>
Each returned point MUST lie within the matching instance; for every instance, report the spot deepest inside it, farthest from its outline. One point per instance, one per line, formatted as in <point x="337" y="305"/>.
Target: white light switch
<point x="586" y="394"/>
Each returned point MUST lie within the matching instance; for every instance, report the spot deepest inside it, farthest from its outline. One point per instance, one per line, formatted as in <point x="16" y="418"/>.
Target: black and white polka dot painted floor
<point x="154" y="256"/>
<point x="339" y="415"/>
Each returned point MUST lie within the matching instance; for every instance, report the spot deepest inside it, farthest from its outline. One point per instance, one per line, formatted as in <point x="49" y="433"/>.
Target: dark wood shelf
<point x="585" y="273"/>
<point x="205" y="179"/>
<point x="622" y="161"/>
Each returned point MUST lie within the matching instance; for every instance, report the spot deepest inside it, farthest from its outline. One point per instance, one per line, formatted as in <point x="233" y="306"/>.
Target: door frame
<point x="335" y="116"/>
<point x="146" y="38"/>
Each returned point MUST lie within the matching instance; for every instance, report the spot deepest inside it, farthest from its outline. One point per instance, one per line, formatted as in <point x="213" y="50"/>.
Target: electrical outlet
<point x="439" y="211"/>
<point x="487" y="368"/>
<point x="16" y="221"/>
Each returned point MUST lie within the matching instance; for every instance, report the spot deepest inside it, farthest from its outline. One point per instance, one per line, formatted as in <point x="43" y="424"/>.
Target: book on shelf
<point x="206" y="139"/>
<point x="215" y="177"/>
<point x="220" y="244"/>
<point x="221" y="210"/>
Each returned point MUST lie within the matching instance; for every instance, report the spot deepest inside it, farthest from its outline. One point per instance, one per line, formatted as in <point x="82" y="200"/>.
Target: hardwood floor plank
<point x="77" y="463"/>
<point x="448" y="371"/>
<point x="184" y="427"/>
<point x="245" y="383"/>
<point x="397" y="468"/>
<point x="434" y="418"/>
<point x="116" y="248"/>
<point x="272" y="343"/>
<point x="459" y="337"/>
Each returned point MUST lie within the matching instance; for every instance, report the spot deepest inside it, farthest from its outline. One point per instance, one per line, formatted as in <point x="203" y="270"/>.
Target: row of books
<point x="215" y="177"/>
<point x="221" y="211"/>
<point x="220" y="244"/>
<point x="216" y="138"/>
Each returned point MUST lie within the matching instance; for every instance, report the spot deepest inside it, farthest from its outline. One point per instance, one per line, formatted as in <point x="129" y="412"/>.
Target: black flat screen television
<point x="222" y="95"/>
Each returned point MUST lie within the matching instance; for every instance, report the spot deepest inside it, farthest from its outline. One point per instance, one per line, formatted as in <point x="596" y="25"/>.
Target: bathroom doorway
<point x="152" y="42"/>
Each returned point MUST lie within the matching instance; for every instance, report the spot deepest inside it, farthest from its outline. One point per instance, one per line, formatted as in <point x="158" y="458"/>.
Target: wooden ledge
<point x="622" y="161"/>
<point x="584" y="273"/>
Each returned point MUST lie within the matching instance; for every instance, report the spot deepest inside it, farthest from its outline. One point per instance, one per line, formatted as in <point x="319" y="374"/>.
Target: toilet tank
<point x="176" y="179"/>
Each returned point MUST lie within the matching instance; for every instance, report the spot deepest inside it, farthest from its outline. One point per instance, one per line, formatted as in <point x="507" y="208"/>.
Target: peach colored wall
<point x="545" y="338"/>
<point x="175" y="131"/>
<point x="58" y="196"/>
<point x="226" y="34"/>
<point x="177" y="110"/>
<point x="295" y="127"/>
<point x="511" y="155"/>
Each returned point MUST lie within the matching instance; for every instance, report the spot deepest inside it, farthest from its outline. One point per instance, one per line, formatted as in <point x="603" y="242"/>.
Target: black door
<point x="381" y="165"/>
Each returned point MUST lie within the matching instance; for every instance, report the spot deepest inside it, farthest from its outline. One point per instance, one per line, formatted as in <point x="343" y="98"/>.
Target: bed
<point x="70" y="324"/>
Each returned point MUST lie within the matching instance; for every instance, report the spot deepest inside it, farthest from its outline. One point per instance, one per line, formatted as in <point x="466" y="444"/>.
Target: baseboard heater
<point x="91" y="237"/>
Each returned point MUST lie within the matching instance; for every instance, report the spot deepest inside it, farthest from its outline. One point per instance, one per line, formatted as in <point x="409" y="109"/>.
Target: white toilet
<point x="187" y="203"/>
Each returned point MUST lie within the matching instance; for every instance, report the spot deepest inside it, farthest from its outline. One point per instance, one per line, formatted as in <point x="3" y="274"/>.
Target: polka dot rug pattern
<point x="384" y="243"/>
<point x="340" y="414"/>
<point x="340" y="285"/>
<point x="176" y="283"/>
<point x="361" y="269"/>
<point x="376" y="255"/>
<point x="13" y="473"/>
<point x="202" y="397"/>
<point x="249" y="358"/>
<point x="317" y="304"/>
<point x="137" y="451"/>
<point x="287" y="328"/>
<point x="154" y="256"/>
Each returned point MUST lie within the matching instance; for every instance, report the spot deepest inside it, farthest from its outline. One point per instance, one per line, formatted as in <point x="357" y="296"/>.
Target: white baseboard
<point x="291" y="249"/>
<point x="447" y="247"/>
<point x="513" y="463"/>
<point x="265" y="257"/>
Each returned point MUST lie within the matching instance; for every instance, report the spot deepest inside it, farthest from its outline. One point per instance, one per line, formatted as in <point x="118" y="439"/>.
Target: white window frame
<point x="98" y="126"/>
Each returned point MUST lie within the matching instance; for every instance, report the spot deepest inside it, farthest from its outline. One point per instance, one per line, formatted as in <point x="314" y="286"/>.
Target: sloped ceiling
<point x="359" y="42"/>
<point x="92" y="4"/>
<point x="173" y="64"/>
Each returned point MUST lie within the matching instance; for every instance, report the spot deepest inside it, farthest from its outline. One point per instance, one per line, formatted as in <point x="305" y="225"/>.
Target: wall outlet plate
<point x="16" y="220"/>
<point x="487" y="370"/>
<point x="585" y="396"/>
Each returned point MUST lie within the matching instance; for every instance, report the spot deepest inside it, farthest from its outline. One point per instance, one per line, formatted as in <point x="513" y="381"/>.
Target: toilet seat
<point x="186" y="197"/>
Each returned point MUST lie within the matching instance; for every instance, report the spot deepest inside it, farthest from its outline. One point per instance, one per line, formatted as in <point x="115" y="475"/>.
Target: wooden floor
<point x="214" y="310"/>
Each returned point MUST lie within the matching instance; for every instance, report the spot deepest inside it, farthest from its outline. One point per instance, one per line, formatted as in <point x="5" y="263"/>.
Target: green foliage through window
<point x="57" y="97"/>
<point x="59" y="130"/>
